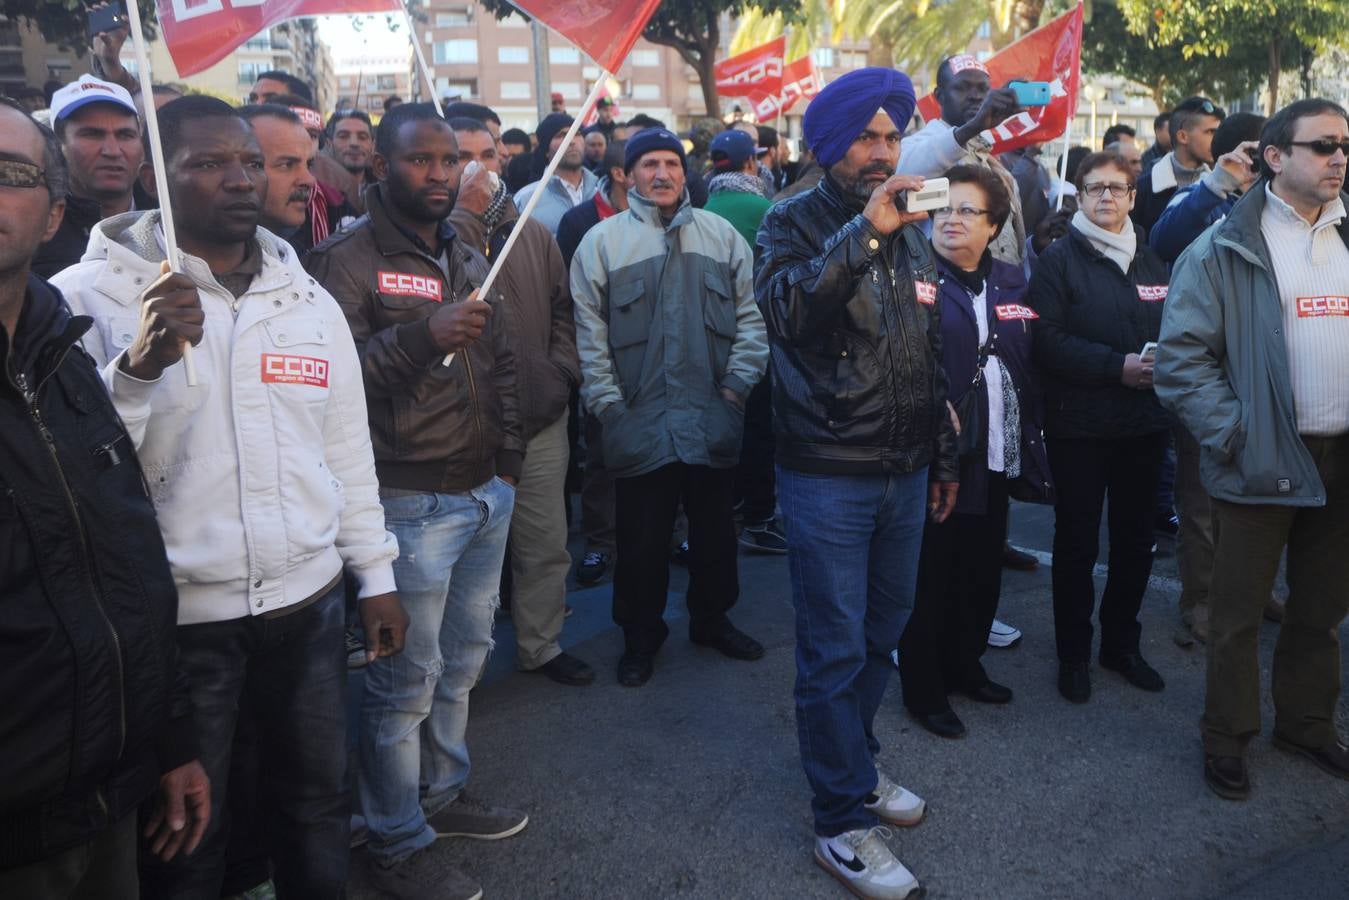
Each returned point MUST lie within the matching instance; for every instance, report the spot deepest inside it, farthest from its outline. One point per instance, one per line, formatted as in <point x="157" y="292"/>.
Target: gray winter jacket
<point x="1222" y="365"/>
<point x="665" y="318"/>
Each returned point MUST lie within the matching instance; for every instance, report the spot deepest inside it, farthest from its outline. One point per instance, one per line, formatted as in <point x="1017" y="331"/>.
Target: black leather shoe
<point x="990" y="692"/>
<point x="1333" y="759"/>
<point x="1074" y="682"/>
<point x="567" y="669"/>
<point x="1012" y="558"/>
<point x="730" y="641"/>
<point x="634" y="669"/>
<point x="1135" y="670"/>
<point x="1226" y="776"/>
<point x="943" y="724"/>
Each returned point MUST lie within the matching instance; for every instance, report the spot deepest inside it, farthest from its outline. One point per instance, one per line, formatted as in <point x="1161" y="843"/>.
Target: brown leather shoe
<point x="1333" y="759"/>
<point x="1226" y="776"/>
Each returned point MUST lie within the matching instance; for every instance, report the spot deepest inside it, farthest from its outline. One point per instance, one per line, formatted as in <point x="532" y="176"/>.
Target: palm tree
<point x="913" y="33"/>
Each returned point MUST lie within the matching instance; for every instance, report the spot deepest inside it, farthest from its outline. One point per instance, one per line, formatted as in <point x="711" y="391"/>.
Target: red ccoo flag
<point x="200" y="33"/>
<point x="604" y="29"/>
<point x="757" y="70"/>
<point x="1052" y="53"/>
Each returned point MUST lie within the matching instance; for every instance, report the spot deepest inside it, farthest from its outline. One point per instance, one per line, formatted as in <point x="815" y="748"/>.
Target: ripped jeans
<point x="414" y="713"/>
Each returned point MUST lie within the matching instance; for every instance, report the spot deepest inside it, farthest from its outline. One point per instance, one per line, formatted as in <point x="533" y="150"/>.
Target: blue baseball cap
<point x="731" y="149"/>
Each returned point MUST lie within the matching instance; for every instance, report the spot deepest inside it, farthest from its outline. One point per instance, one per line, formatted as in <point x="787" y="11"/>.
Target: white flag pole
<point x="157" y="159"/>
<point x="525" y="213"/>
<point x="1063" y="162"/>
<point x="421" y="61"/>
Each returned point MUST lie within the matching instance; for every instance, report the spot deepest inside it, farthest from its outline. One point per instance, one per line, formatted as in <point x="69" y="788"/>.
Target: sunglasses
<point x="1323" y="147"/>
<point x="16" y="174"/>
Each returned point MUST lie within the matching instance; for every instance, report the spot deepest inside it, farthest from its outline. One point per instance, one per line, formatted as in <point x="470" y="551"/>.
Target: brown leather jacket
<point x="434" y="428"/>
<point x="535" y="287"/>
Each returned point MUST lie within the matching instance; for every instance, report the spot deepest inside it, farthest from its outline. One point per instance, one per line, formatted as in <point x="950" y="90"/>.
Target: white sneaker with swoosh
<point x="864" y="864"/>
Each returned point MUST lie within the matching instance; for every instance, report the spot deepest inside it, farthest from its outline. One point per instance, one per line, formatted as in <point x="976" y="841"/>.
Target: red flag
<point x="756" y="71"/>
<point x="200" y="33"/>
<point x="799" y="81"/>
<point x="1052" y="53"/>
<point x="604" y="29"/>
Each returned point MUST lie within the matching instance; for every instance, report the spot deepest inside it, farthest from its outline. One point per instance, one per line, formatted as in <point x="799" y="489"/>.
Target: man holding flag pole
<point x="260" y="469"/>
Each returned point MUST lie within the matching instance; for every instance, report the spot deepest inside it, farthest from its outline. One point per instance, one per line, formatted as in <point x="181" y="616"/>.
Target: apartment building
<point x="365" y="80"/>
<point x="473" y="56"/>
<point x="26" y="58"/>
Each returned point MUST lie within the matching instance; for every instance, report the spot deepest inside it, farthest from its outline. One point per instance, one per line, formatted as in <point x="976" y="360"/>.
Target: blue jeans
<point x="414" y="714"/>
<point x="853" y="543"/>
<point x="288" y="675"/>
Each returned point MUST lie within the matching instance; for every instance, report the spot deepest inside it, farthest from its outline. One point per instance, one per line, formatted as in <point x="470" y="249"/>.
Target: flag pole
<point x="421" y="61"/>
<point x="157" y="160"/>
<point x="1068" y="128"/>
<point x="533" y="201"/>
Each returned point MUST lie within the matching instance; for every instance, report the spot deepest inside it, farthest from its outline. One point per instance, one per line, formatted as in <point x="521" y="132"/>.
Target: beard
<point x="855" y="186"/>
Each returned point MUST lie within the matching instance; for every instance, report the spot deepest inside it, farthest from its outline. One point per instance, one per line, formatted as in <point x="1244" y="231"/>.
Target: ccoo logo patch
<point x="278" y="368"/>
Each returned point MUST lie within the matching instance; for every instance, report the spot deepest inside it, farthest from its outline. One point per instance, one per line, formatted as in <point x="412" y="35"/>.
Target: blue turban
<point x="842" y="111"/>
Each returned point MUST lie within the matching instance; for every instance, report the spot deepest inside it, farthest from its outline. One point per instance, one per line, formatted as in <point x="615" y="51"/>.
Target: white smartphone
<point x="934" y="194"/>
<point x="1149" y="352"/>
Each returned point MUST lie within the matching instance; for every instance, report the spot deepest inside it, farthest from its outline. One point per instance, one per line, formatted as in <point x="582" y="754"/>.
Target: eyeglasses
<point x="1097" y="190"/>
<point x="17" y="174"/>
<point x="960" y="213"/>
<point x="1324" y="146"/>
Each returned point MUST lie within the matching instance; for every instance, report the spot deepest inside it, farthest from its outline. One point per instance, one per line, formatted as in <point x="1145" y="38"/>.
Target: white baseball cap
<point x="88" y="89"/>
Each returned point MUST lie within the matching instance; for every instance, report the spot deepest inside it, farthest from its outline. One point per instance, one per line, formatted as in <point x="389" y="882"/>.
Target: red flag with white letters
<point x="604" y="29"/>
<point x="757" y="70"/>
<point x="1052" y="53"/>
<point x="200" y="33"/>
<point x="800" y="82"/>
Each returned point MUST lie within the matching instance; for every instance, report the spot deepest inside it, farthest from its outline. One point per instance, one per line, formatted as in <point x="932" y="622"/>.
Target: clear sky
<point x="375" y="35"/>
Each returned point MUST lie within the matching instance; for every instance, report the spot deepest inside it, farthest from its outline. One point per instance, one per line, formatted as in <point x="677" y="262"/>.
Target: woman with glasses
<point x="986" y="351"/>
<point x="1099" y="294"/>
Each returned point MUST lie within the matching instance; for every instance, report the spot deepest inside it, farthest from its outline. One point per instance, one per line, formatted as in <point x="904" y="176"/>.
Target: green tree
<point x="1110" y="48"/>
<point x="1210" y="29"/>
<point x="691" y="27"/>
<point x="66" y="22"/>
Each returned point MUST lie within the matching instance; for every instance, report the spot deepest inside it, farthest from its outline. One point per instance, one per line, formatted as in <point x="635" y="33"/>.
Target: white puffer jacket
<point x="262" y="475"/>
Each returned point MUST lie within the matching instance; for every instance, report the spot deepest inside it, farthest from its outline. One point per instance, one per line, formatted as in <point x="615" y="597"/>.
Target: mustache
<point x="876" y="169"/>
<point x="299" y="195"/>
<point x="663" y="183"/>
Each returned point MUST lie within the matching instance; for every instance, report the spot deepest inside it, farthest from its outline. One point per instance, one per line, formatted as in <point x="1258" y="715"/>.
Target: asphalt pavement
<point x="691" y="787"/>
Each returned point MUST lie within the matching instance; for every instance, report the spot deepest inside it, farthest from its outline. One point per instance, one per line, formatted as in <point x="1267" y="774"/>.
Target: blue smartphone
<point x="1030" y="93"/>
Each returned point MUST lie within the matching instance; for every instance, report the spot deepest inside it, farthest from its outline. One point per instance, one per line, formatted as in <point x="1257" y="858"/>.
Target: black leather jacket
<point x="94" y="707"/>
<point x="858" y="386"/>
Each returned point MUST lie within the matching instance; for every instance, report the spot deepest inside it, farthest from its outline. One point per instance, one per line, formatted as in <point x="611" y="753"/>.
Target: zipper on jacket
<point x="473" y="398"/>
<point x="30" y="397"/>
<point x="904" y="341"/>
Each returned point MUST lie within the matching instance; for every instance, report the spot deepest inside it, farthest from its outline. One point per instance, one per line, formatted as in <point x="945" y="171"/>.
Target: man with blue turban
<point x="865" y="450"/>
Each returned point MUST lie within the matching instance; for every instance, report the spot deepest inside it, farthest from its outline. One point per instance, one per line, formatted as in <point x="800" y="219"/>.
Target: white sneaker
<point x="865" y="865"/>
<point x="893" y="804"/>
<point x="1002" y="635"/>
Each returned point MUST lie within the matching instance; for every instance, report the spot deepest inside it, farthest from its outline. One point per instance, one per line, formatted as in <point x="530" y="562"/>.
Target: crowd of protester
<point x="360" y="458"/>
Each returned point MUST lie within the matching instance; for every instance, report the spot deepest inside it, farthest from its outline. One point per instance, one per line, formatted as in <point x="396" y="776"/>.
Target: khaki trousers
<point x="1306" y="683"/>
<point x="1194" y="544"/>
<point x="539" y="558"/>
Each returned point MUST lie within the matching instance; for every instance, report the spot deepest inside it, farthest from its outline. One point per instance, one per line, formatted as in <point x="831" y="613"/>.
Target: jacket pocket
<point x="296" y="358"/>
<point x="629" y="332"/>
<point x="718" y="321"/>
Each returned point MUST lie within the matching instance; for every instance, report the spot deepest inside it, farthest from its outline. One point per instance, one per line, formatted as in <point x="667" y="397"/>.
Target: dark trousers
<point x="1088" y="473"/>
<point x="959" y="580"/>
<point x="1250" y="538"/>
<point x="103" y="869"/>
<point x="756" y="475"/>
<point x="645" y="508"/>
<point x="290" y="672"/>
